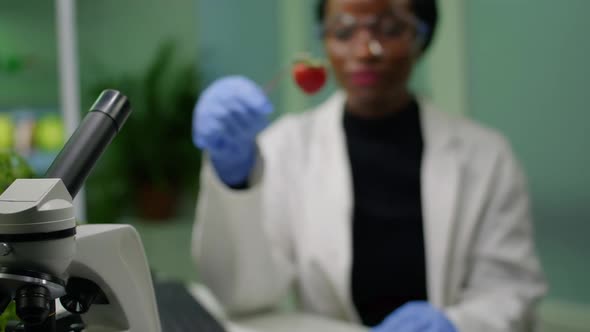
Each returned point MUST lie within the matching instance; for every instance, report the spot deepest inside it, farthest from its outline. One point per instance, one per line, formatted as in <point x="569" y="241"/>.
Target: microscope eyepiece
<point x="96" y="131"/>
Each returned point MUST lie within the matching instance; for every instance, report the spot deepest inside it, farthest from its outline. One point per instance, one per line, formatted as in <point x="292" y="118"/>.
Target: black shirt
<point x="388" y="267"/>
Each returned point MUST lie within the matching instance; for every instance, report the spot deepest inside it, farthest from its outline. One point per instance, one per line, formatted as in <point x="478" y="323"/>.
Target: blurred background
<point x="518" y="66"/>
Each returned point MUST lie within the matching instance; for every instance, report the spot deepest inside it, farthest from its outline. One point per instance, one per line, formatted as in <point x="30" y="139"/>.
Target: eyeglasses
<point x="387" y="27"/>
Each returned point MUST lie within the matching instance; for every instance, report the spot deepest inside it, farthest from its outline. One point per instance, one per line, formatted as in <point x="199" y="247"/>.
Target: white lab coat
<point x="293" y="227"/>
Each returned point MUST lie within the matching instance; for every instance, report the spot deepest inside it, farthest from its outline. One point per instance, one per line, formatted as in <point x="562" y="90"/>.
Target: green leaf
<point x="8" y="315"/>
<point x="12" y="167"/>
<point x="154" y="148"/>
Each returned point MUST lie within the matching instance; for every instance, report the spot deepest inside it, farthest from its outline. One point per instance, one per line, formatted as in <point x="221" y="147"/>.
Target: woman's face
<point x="372" y="47"/>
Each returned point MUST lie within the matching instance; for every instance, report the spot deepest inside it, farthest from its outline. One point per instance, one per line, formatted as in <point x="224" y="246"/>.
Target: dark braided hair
<point x="425" y="10"/>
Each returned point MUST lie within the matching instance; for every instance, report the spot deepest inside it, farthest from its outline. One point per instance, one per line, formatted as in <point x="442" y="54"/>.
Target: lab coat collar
<point x="441" y="181"/>
<point x="437" y="127"/>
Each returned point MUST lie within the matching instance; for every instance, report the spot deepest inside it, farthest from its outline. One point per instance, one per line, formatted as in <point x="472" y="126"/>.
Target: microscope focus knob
<point x="80" y="295"/>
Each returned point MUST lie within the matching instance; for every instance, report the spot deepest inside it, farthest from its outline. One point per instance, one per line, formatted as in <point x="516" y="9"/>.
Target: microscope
<point x="99" y="273"/>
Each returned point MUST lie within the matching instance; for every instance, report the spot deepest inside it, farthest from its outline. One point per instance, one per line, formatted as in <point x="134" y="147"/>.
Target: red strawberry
<point x="309" y="75"/>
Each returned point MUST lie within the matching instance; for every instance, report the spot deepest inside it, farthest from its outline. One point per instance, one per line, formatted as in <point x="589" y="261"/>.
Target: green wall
<point x="239" y="38"/>
<point x="122" y="37"/>
<point x="27" y="28"/>
<point x="114" y="38"/>
<point x="445" y="72"/>
<point x="528" y="76"/>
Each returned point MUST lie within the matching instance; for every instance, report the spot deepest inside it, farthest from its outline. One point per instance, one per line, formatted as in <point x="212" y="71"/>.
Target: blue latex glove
<point x="227" y="118"/>
<point x="416" y="317"/>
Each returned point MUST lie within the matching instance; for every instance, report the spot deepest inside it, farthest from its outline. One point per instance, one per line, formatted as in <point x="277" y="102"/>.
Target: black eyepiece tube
<point x="96" y="131"/>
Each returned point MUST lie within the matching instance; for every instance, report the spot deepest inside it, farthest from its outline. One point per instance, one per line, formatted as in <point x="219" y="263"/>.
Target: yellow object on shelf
<point x="6" y="132"/>
<point x="49" y="134"/>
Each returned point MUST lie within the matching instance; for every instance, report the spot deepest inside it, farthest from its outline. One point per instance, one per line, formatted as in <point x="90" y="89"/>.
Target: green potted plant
<point x="8" y="316"/>
<point x="152" y="162"/>
<point x="12" y="167"/>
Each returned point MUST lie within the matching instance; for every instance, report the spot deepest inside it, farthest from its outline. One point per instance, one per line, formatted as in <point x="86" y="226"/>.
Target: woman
<point x="374" y="206"/>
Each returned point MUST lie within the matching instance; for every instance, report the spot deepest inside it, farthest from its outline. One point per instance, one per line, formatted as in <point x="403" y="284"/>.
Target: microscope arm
<point x="112" y="256"/>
